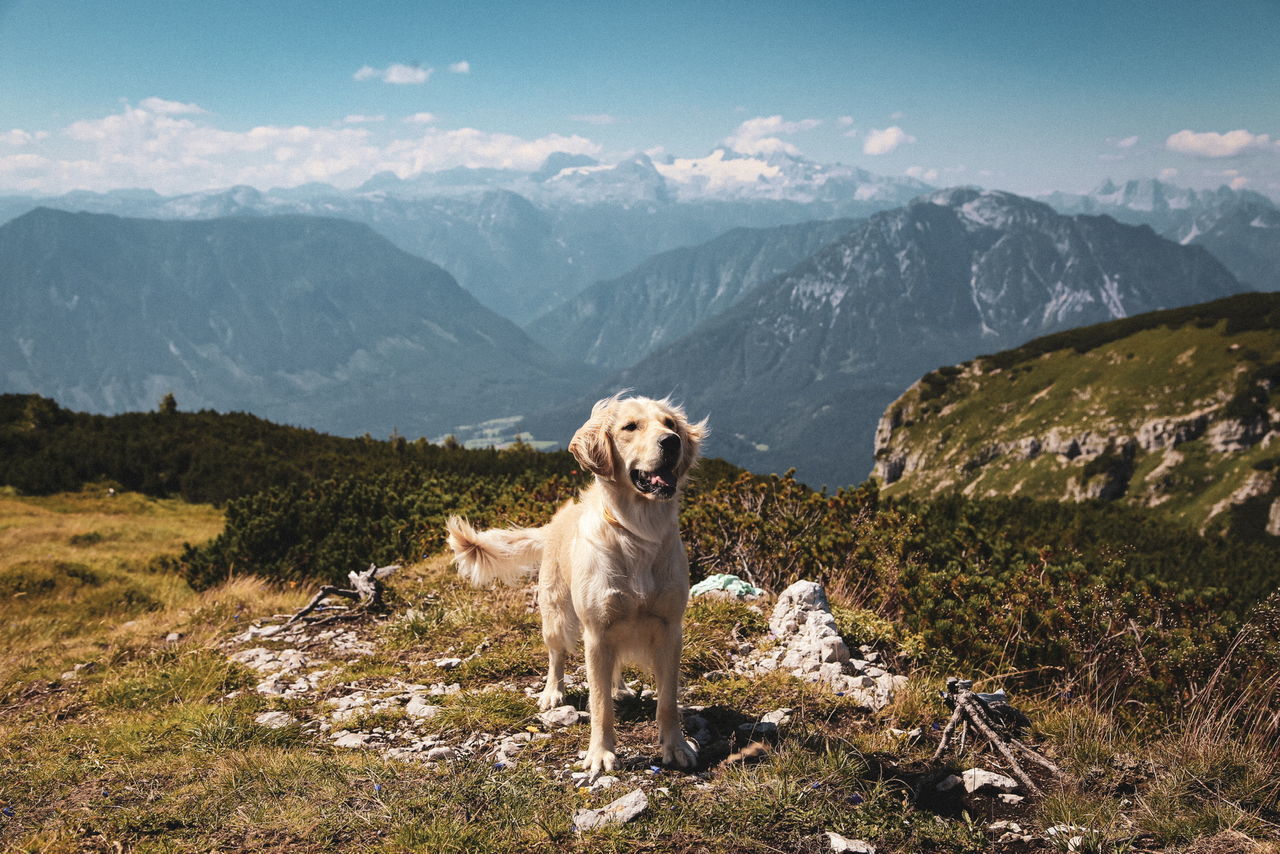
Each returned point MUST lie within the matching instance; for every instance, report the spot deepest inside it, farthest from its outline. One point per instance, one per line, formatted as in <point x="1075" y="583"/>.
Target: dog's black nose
<point x="670" y="445"/>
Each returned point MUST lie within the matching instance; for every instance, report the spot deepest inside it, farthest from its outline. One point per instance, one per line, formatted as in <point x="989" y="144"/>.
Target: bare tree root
<point x="366" y="591"/>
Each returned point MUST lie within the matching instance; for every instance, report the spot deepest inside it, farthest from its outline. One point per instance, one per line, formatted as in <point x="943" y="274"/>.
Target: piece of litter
<point x="729" y="583"/>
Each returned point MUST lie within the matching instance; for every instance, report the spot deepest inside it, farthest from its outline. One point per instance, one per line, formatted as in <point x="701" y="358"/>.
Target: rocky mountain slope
<point x="1171" y="410"/>
<point x="306" y="320"/>
<point x="615" y="323"/>
<point x="521" y="241"/>
<point x="799" y="371"/>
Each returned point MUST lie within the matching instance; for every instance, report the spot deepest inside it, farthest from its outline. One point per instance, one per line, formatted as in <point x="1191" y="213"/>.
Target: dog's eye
<point x="629" y="426"/>
<point x="670" y="425"/>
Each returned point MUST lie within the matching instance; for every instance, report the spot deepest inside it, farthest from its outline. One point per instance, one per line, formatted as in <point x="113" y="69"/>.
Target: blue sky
<point x="1027" y="96"/>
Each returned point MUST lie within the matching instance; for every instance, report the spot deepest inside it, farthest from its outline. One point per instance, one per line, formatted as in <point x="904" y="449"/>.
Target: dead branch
<point x="365" y="590"/>
<point x="970" y="708"/>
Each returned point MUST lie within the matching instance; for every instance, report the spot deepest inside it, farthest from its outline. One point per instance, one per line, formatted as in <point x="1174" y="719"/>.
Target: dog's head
<point x="648" y="444"/>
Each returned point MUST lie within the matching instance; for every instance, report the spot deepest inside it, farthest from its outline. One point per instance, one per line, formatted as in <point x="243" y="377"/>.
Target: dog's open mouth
<point x="660" y="483"/>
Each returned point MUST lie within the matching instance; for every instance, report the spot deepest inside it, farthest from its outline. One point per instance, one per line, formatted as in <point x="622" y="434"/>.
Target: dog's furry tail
<point x="499" y="554"/>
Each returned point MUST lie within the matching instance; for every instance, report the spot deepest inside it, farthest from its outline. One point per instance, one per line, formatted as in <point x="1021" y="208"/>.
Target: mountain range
<point x="312" y="321"/>
<point x="747" y="286"/>
<point x="522" y="241"/>
<point x="798" y="371"/>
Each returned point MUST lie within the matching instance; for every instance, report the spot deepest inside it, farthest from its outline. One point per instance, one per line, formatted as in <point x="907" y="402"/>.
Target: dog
<point x="613" y="572"/>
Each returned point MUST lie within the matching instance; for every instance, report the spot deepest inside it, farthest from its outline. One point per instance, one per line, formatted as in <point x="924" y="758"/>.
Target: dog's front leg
<point x="666" y="666"/>
<point x="601" y="666"/>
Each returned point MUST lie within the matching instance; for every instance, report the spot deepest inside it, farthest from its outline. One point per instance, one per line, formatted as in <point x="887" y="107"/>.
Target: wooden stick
<point x="979" y="720"/>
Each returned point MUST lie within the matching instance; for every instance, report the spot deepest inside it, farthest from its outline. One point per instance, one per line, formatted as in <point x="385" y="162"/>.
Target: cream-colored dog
<point x="613" y="570"/>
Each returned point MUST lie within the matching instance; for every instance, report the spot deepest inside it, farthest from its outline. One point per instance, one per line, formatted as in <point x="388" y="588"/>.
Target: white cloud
<point x="759" y="135"/>
<point x="420" y="118"/>
<point x="595" y="118"/>
<point x="1122" y="142"/>
<point x="897" y="115"/>
<point x="1168" y="174"/>
<point x="884" y="141"/>
<point x="442" y="149"/>
<point x="922" y="174"/>
<point x="1210" y="144"/>
<point x="395" y="73"/>
<point x="460" y="67"/>
<point x="170" y="108"/>
<point x="845" y="121"/>
<point x="137" y="147"/>
<point x="19" y="137"/>
<point x="1239" y="182"/>
<point x="361" y="119"/>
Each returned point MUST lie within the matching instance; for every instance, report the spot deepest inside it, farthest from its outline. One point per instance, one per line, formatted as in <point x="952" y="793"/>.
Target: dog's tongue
<point x="658" y="479"/>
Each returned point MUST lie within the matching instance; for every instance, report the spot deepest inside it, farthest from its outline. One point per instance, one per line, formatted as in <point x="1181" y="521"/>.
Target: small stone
<point x="949" y="782"/>
<point x="560" y="716"/>
<point x="777" y="717"/>
<point x="976" y="779"/>
<point x="275" y="720"/>
<point x="621" y="811"/>
<point x="351" y="739"/>
<point x="836" y="842"/>
<point x="1010" y="799"/>
<point x="272" y="685"/>
<point x="418" y="707"/>
<point x="606" y="782"/>
<point x="173" y="637"/>
<point x="441" y="754"/>
<point x="448" y="663"/>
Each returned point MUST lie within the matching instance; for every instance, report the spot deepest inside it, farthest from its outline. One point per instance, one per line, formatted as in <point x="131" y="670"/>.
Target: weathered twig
<point x="969" y="708"/>
<point x="366" y="590"/>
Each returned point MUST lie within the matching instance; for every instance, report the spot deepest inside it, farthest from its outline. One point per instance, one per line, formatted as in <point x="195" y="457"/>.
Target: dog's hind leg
<point x="601" y="667"/>
<point x="666" y="668"/>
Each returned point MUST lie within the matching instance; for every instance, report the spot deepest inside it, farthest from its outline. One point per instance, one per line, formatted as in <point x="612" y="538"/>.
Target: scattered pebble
<point x="621" y="811"/>
<point x="275" y="720"/>
<point x="836" y="842"/>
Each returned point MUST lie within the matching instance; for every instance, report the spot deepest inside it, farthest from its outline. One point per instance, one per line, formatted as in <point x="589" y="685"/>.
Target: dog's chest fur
<point x="631" y="578"/>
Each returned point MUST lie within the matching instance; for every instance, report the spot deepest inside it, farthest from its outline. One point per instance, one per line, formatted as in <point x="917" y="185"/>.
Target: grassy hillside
<point x="153" y="744"/>
<point x="1170" y="410"/>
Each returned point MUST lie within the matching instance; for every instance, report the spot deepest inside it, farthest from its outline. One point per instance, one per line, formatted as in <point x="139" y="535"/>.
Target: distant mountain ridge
<point x="615" y="323"/>
<point x="305" y="320"/>
<point x="798" y="372"/>
<point x="1240" y="227"/>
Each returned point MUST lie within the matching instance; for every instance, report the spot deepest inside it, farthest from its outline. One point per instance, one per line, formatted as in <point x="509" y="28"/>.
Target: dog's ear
<point x="691" y="436"/>
<point x="590" y="446"/>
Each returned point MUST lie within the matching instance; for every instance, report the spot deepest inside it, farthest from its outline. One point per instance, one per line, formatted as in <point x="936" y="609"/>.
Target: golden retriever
<point x="613" y="570"/>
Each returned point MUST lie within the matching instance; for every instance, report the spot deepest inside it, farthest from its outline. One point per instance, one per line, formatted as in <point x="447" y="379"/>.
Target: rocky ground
<point x="418" y="721"/>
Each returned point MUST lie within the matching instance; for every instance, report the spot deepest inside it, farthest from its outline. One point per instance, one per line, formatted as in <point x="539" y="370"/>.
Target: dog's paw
<point x="678" y="753"/>
<point x="599" y="761"/>
<point x="550" y="699"/>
